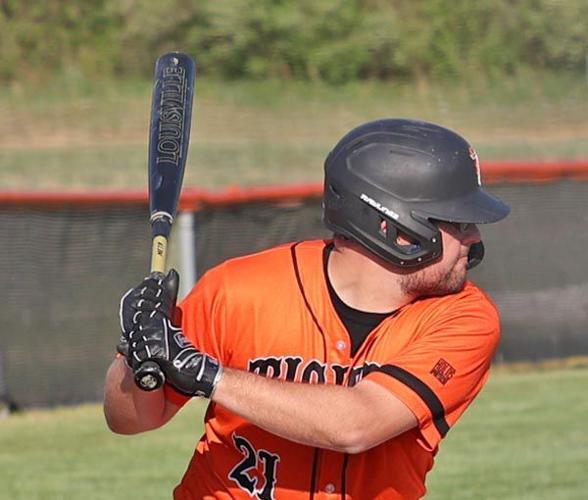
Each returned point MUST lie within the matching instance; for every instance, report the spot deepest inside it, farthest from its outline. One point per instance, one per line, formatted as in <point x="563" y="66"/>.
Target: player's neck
<point x="363" y="282"/>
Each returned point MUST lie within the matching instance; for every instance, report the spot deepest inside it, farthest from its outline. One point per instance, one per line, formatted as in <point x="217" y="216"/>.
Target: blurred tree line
<point x="330" y="40"/>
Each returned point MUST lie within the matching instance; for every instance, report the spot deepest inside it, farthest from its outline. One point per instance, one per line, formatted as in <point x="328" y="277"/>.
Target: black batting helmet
<point x="403" y="175"/>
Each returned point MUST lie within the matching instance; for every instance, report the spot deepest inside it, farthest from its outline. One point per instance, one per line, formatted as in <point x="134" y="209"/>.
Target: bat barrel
<point x="171" y="118"/>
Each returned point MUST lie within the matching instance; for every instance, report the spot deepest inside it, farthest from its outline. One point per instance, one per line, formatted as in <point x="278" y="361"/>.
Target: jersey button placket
<point x="340" y="352"/>
<point x="330" y="488"/>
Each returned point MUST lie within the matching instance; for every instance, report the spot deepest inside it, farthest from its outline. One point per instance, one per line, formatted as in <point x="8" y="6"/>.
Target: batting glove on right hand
<point x="156" y="294"/>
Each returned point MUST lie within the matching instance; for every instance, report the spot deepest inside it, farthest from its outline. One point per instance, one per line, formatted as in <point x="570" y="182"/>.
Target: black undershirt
<point x="358" y="323"/>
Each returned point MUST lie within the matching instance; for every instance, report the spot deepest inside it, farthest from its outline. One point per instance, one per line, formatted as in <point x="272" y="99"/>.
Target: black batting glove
<point x="186" y="369"/>
<point x="156" y="294"/>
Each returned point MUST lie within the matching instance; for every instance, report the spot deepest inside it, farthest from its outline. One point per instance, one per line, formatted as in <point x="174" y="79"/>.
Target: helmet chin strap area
<point x="475" y="255"/>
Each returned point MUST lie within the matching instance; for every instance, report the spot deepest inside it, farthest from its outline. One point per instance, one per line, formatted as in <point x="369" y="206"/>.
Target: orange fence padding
<point x="194" y="198"/>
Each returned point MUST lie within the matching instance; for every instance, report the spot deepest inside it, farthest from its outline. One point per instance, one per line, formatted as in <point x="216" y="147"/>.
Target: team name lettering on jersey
<point x="296" y="369"/>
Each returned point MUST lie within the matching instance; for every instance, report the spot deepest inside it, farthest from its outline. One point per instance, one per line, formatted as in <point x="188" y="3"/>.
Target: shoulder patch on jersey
<point x="443" y="371"/>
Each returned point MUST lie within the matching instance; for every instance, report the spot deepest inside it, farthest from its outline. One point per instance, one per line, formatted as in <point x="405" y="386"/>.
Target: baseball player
<point x="333" y="368"/>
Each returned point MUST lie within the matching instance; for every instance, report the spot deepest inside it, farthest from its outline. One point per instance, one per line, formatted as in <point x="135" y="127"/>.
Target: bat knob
<point x="149" y="376"/>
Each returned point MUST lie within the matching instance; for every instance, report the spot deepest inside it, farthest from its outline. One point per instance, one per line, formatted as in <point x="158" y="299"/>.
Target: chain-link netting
<point x="536" y="270"/>
<point x="63" y="273"/>
<point x="65" y="270"/>
<point x="221" y="233"/>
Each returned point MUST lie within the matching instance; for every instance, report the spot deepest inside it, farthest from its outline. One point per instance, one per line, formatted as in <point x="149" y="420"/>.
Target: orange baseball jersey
<point x="270" y="313"/>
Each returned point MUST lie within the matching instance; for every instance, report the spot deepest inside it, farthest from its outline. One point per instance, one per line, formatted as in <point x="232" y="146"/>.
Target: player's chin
<point x="436" y="285"/>
<point x="457" y="285"/>
<point x="454" y="282"/>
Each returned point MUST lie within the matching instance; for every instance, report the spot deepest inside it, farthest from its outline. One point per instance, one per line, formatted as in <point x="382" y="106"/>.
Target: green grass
<point x="524" y="438"/>
<point x="68" y="454"/>
<point x="91" y="136"/>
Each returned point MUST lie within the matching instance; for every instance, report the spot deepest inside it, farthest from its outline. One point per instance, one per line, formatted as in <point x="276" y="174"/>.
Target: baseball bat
<point x="169" y="136"/>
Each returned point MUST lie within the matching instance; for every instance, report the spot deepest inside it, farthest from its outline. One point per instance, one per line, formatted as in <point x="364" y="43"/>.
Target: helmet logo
<point x="378" y="206"/>
<point x="476" y="160"/>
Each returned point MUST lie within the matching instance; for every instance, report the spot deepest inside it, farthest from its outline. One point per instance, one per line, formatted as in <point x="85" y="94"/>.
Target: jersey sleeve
<point x="203" y="316"/>
<point x="440" y="374"/>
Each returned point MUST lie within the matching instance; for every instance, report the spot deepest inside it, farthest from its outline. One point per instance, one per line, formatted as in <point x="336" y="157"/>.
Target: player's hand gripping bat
<point x="169" y="136"/>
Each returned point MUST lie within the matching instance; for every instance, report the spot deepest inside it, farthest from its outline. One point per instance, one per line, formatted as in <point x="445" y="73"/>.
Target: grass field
<point x="75" y="135"/>
<point x="524" y="438"/>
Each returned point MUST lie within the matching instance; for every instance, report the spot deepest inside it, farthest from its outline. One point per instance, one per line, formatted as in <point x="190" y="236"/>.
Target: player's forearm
<point x="325" y="416"/>
<point x="129" y="410"/>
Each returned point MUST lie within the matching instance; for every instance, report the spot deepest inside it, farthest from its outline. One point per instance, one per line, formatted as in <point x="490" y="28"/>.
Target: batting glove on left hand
<point x="186" y="369"/>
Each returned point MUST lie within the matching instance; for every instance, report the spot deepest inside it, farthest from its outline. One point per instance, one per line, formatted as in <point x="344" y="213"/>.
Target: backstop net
<point x="67" y="259"/>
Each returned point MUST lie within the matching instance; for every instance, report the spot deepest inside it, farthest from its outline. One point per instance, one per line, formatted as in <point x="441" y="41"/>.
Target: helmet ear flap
<point x="475" y="255"/>
<point x="393" y="235"/>
<point x="407" y="247"/>
<point x="411" y="243"/>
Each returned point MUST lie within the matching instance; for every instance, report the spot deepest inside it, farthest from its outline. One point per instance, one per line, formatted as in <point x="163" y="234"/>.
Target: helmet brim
<point x="478" y="207"/>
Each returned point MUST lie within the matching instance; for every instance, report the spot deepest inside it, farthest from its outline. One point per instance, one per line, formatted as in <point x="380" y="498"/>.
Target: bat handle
<point x="149" y="376"/>
<point x="159" y="254"/>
